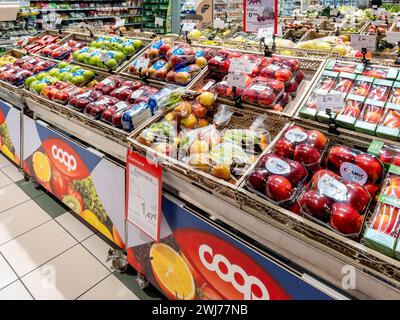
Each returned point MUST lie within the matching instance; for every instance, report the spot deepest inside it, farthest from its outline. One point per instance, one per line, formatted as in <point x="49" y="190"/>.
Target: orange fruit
<point x="172" y="273"/>
<point x="41" y="167"/>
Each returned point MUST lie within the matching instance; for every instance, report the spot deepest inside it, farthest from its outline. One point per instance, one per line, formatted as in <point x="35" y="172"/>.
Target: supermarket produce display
<point x="242" y="128"/>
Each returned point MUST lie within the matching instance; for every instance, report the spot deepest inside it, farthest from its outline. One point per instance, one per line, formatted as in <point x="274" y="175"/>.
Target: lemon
<point x="4" y="149"/>
<point x="41" y="167"/>
<point x="172" y="273"/>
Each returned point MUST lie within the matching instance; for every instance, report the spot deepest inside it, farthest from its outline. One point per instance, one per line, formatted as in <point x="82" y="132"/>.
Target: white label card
<point x="241" y="66"/>
<point x="120" y="22"/>
<point x="104" y="57"/>
<point x="159" y="22"/>
<point x="393" y="37"/>
<point x="237" y="80"/>
<point x="188" y="26"/>
<point x="219" y="24"/>
<point x="59" y="21"/>
<point x="359" y="41"/>
<point x="265" y="32"/>
<point x="331" y="101"/>
<point x="143" y="63"/>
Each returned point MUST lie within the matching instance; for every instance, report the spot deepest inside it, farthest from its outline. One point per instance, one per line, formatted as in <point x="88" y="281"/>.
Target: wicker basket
<point x="157" y="83"/>
<point x="226" y="191"/>
<point x="9" y="92"/>
<point x="311" y="68"/>
<point x="118" y="135"/>
<point x="319" y="236"/>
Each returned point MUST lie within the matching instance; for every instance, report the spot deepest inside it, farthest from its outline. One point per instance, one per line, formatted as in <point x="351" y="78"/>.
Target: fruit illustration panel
<point x="196" y="260"/>
<point x="83" y="179"/>
<point x="10" y="132"/>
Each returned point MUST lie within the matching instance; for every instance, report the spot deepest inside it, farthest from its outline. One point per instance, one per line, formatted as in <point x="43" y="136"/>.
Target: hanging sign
<point x="260" y="14"/>
<point x="143" y="194"/>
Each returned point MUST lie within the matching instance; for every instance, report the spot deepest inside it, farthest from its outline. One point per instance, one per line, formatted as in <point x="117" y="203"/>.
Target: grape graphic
<point x="254" y="1"/>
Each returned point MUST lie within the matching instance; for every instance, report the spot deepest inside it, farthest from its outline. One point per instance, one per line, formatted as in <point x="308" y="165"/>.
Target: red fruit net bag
<point x="307" y="147"/>
<point x="337" y="204"/>
<point x="277" y="179"/>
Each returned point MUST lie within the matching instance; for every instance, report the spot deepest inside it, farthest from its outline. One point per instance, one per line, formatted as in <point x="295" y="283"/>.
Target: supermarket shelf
<point x="89" y="9"/>
<point x="101" y="18"/>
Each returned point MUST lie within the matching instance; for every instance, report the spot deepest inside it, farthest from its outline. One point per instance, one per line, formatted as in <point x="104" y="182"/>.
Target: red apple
<point x="284" y="148"/>
<point x="339" y="154"/>
<point x="373" y="189"/>
<point x="317" y="139"/>
<point x="283" y="75"/>
<point x="357" y="196"/>
<point x="345" y="219"/>
<point x="370" y="165"/>
<point x="278" y="188"/>
<point x="386" y="156"/>
<point x="297" y="172"/>
<point x="316" y="205"/>
<point x="265" y="159"/>
<point x="319" y="174"/>
<point x="266" y="98"/>
<point x="258" y="179"/>
<point x="306" y="154"/>
<point x="59" y="184"/>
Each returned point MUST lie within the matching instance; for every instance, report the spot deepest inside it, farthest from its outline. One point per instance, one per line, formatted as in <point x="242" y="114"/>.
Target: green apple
<point x="93" y="60"/>
<point x="75" y="68"/>
<point x="63" y="65"/>
<point x="118" y="56"/>
<point x="38" y="87"/>
<point x="42" y="75"/>
<point x="77" y="80"/>
<point x="55" y="72"/>
<point x="88" y="74"/>
<point x="29" y="81"/>
<point x="129" y="50"/>
<point x="111" y="63"/>
<point x="137" y="44"/>
<point x="93" y="44"/>
<point x="66" y="76"/>
<point x="100" y="64"/>
<point x="75" y="55"/>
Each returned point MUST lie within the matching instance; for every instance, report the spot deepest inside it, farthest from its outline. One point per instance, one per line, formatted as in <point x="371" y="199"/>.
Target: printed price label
<point x="241" y="66"/>
<point x="59" y="21"/>
<point x="143" y="63"/>
<point x="393" y="37"/>
<point x="331" y="101"/>
<point x="265" y="32"/>
<point x="359" y="41"/>
<point x="219" y="24"/>
<point x="144" y="189"/>
<point x="104" y="57"/>
<point x="188" y="26"/>
<point x="277" y="166"/>
<point x="159" y="22"/>
<point x="332" y="188"/>
<point x="120" y="22"/>
<point x="237" y="80"/>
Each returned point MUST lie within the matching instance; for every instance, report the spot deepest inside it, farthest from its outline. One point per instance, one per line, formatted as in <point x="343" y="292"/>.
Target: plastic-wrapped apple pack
<point x="384" y="227"/>
<point x="305" y="146"/>
<point x="356" y="166"/>
<point x="277" y="179"/>
<point x="338" y="204"/>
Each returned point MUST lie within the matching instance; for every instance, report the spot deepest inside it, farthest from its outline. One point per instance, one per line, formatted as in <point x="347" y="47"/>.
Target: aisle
<point x="47" y="253"/>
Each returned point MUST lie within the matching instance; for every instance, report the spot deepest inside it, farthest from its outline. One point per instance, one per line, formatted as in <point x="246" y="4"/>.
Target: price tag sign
<point x="52" y="16"/>
<point x="393" y="37"/>
<point x="359" y="41"/>
<point x="143" y="63"/>
<point x="143" y="194"/>
<point x="236" y="79"/>
<point x="398" y="24"/>
<point x="59" y="21"/>
<point x="104" y="57"/>
<point x="265" y="32"/>
<point x="188" y="26"/>
<point x="120" y="22"/>
<point x="332" y="101"/>
<point x="219" y="24"/>
<point x="159" y="22"/>
<point x="241" y="66"/>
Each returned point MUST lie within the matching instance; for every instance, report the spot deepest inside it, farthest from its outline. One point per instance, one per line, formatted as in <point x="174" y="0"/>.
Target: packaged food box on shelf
<point x="167" y="60"/>
<point x="208" y="143"/>
<point x="384" y="228"/>
<point x="108" y="52"/>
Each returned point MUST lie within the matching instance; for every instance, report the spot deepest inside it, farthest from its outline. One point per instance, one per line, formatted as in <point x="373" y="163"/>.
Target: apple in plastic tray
<point x="357" y="166"/>
<point x="304" y="146"/>
<point x="277" y="178"/>
<point x="82" y="100"/>
<point x="108" y="115"/>
<point x="263" y="92"/>
<point x="95" y="109"/>
<point x="109" y="84"/>
<point x="338" y="203"/>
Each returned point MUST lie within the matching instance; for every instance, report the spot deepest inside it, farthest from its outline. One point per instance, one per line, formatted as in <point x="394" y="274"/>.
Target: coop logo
<point x="65" y="159"/>
<point x="231" y="273"/>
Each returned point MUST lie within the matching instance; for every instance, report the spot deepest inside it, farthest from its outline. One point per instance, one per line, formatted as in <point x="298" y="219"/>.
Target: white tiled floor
<point x="46" y="258"/>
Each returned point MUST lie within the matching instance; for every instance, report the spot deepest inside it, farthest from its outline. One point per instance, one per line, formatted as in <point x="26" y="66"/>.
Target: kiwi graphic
<point x="72" y="203"/>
